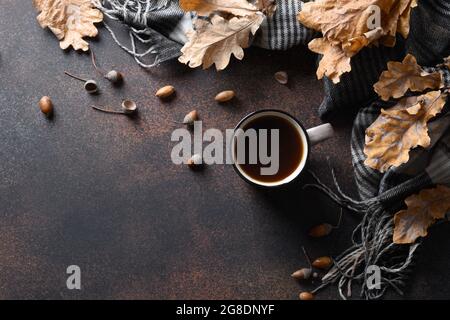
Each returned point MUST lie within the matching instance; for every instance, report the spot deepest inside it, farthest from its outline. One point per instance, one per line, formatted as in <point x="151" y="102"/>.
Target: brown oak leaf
<point x="334" y="62"/>
<point x="69" y="20"/>
<point x="403" y="76"/>
<point x="401" y="128"/>
<point x="423" y="209"/>
<point x="206" y="7"/>
<point x="214" y="42"/>
<point x="352" y="25"/>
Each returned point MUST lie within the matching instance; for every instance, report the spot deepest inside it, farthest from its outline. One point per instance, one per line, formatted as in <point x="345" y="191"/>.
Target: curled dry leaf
<point x="400" y="129"/>
<point x="69" y="20"/>
<point x="423" y="209"/>
<point x="214" y="42"/>
<point x="403" y="76"/>
<point x="347" y="27"/>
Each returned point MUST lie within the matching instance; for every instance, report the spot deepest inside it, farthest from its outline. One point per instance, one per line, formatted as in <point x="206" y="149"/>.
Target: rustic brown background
<point x="100" y="190"/>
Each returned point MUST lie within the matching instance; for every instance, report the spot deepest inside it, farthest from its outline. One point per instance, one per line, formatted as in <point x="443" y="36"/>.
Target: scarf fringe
<point x="134" y="15"/>
<point x="372" y="246"/>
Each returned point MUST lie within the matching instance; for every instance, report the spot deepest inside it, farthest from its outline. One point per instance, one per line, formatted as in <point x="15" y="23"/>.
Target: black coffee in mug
<point x="290" y="148"/>
<point x="284" y="150"/>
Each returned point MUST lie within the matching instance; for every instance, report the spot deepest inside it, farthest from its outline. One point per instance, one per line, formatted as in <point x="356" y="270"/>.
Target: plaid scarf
<point x="160" y="26"/>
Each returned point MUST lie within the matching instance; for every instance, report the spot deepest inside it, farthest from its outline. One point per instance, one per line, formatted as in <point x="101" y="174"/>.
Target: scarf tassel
<point x="372" y="242"/>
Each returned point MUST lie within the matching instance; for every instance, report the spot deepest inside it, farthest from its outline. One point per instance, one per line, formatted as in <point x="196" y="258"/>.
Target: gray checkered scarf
<point x="157" y="28"/>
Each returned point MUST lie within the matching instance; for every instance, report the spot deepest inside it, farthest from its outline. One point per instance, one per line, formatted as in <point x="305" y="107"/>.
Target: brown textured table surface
<point x="100" y="191"/>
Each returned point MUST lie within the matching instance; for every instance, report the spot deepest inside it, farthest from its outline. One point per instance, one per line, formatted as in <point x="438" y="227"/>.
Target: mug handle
<point x="320" y="133"/>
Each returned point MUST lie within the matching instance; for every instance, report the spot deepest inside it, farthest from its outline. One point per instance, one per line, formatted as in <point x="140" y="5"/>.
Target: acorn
<point x="224" y="96"/>
<point x="165" y="92"/>
<point x="91" y="86"/>
<point x="324" y="229"/>
<point x="306" y="296"/>
<point x="46" y="105"/>
<point x="190" y="117"/>
<point x="113" y="76"/>
<point x="302" y="274"/>
<point x="321" y="230"/>
<point x="195" y="161"/>
<point x="129" y="106"/>
<point x="282" y="77"/>
<point x="323" y="263"/>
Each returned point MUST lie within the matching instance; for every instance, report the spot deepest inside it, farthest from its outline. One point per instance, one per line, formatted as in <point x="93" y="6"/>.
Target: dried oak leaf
<point x="206" y="7"/>
<point x="334" y="62"/>
<point x="423" y="209"/>
<point x="346" y="26"/>
<point x="69" y="20"/>
<point x="400" y="129"/>
<point x="268" y="7"/>
<point x="407" y="75"/>
<point x="214" y="42"/>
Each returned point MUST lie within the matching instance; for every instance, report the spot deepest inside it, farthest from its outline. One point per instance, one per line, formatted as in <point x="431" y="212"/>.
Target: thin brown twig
<point x="307" y="257"/>
<point x="94" y="63"/>
<point x="75" y="77"/>
<point x="106" y="110"/>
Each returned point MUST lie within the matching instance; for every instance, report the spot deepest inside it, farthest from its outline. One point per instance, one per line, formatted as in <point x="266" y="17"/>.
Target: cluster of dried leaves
<point x="403" y="127"/>
<point x="224" y="27"/>
<point x="69" y="20"/>
<point x="348" y="26"/>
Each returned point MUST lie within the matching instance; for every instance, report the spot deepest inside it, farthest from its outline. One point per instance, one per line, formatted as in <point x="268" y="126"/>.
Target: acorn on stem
<point x="89" y="85"/>
<point x="113" y="76"/>
<point x="324" y="229"/>
<point x="128" y="107"/>
<point x="304" y="273"/>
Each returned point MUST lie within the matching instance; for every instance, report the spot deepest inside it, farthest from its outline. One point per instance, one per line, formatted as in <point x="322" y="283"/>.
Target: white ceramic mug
<point x="308" y="138"/>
